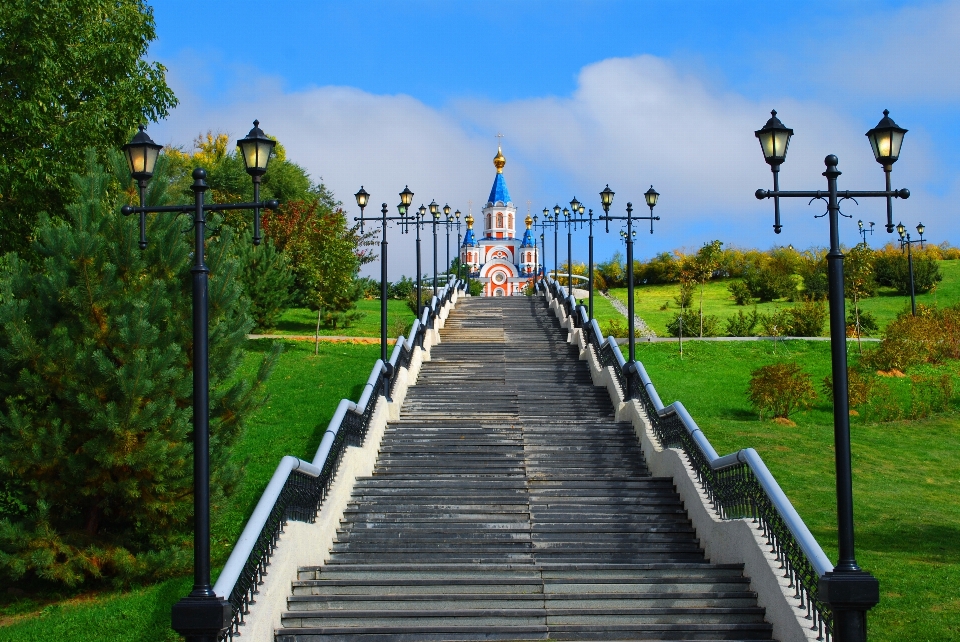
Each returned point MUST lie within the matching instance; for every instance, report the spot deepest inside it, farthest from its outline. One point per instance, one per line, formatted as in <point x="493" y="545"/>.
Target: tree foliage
<point x="73" y="74"/>
<point x="96" y="390"/>
<point x="780" y="388"/>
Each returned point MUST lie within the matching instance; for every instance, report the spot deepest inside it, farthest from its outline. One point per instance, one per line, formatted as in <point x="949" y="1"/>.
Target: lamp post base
<point x="201" y="619"/>
<point x="850" y="594"/>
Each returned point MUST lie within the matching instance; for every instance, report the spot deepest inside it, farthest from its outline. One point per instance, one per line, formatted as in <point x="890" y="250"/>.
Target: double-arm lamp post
<point x="578" y="208"/>
<point x="864" y="231"/>
<point x="543" y="224"/>
<point x="201" y="616"/>
<point x="901" y="230"/>
<point x="849" y="591"/>
<point x="606" y="199"/>
<point x="435" y="219"/>
<point x="362" y="200"/>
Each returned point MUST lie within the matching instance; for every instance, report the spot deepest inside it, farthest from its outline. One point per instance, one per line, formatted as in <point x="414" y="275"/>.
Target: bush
<point x="767" y="284"/>
<point x="892" y="268"/>
<point x="690" y="322"/>
<point x="859" y="387"/>
<point x="806" y="319"/>
<point x="930" y="337"/>
<point x="476" y="287"/>
<point x="775" y="324"/>
<point x="684" y="298"/>
<point x="401" y="289"/>
<point x="740" y="291"/>
<point x="618" y="329"/>
<point x="780" y="389"/>
<point x="743" y="325"/>
<point x="929" y="394"/>
<point x="866" y="327"/>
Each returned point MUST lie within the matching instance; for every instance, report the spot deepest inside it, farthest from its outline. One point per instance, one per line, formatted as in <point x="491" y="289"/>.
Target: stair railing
<point x="738" y="485"/>
<point x="297" y="489"/>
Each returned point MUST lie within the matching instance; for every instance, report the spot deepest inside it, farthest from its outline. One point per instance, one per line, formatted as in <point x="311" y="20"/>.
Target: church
<point x="503" y="263"/>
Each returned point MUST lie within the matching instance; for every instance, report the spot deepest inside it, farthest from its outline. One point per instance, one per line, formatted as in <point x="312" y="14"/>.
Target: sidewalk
<point x="311" y="337"/>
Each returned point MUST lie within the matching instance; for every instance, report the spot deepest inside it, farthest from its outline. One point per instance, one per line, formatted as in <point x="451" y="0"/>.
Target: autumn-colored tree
<point x="325" y="254"/>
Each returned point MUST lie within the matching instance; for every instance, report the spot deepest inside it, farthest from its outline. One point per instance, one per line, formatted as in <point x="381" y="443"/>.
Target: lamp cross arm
<point x="896" y="193"/>
<point x="127" y="210"/>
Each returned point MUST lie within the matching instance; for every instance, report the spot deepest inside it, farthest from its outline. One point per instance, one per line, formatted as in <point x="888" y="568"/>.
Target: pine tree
<point x="96" y="390"/>
<point x="267" y="280"/>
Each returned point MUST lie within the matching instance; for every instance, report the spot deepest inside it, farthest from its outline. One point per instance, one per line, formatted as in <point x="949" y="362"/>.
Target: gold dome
<point x="469" y="221"/>
<point x="528" y="221"/>
<point x="499" y="161"/>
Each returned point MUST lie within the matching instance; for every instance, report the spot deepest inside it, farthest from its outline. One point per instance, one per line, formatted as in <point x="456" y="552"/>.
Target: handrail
<point x="297" y="488"/>
<point x="738" y="485"/>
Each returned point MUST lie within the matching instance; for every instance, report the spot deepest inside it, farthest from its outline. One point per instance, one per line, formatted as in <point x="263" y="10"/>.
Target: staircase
<point x="508" y="504"/>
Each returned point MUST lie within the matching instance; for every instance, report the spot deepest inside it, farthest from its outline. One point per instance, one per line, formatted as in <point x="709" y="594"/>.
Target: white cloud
<point x="630" y="123"/>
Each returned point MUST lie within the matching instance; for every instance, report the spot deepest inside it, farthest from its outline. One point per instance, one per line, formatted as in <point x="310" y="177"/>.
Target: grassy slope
<point x="718" y="301"/>
<point x="302" y="321"/>
<point x="305" y="390"/>
<point x="905" y="475"/>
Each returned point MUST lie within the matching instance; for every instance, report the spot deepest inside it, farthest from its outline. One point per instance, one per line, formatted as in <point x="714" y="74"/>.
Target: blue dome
<point x="527" y="239"/>
<point x="499" y="191"/>
<point x="469" y="239"/>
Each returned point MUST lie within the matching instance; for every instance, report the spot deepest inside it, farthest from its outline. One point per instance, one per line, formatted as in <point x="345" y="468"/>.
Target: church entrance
<point x="499" y="292"/>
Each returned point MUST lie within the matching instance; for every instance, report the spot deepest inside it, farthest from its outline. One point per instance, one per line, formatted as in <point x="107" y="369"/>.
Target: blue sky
<point x="388" y="94"/>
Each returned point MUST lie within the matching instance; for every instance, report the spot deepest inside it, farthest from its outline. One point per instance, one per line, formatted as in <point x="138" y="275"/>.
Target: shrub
<point x="618" y="329"/>
<point x="806" y="319"/>
<point x="401" y="289"/>
<point x="864" y="327"/>
<point x="775" y="324"/>
<point x="929" y="394"/>
<point x="691" y="324"/>
<point x="930" y="337"/>
<point x="767" y="284"/>
<point x="892" y="269"/>
<point x="859" y="387"/>
<point x="741" y="293"/>
<point x="780" y="389"/>
<point x="743" y="325"/>
<point x="684" y="298"/>
<point x="476" y="287"/>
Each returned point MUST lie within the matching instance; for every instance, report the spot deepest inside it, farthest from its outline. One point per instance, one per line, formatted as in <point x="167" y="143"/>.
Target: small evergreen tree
<point x="267" y="280"/>
<point x="96" y="390"/>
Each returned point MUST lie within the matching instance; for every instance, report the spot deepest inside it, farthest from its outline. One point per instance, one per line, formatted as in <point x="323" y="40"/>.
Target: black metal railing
<point x="298" y="488"/>
<point x="737" y="485"/>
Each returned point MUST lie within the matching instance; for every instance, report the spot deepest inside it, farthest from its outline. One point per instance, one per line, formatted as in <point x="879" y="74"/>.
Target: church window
<point x="499" y="219"/>
<point x="510" y="220"/>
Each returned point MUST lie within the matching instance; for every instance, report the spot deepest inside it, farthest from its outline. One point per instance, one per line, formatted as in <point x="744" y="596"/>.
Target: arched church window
<point x="488" y="221"/>
<point x="509" y="220"/>
<point x="499" y="219"/>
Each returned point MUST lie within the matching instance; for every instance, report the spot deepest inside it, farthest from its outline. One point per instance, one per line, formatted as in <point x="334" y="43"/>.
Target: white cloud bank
<point x="630" y="123"/>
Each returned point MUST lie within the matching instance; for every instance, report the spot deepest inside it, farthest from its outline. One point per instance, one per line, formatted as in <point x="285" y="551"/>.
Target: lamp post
<point x="201" y="616"/>
<point x="606" y="199"/>
<point x="406" y="198"/>
<point x="543" y="224"/>
<point x="907" y="242"/>
<point x="459" y="263"/>
<point x="864" y="231"/>
<point x="362" y="198"/>
<point x="447" y="222"/>
<point x="849" y="591"/>
<point x="435" y="211"/>
<point x="468" y="242"/>
<point x="588" y="221"/>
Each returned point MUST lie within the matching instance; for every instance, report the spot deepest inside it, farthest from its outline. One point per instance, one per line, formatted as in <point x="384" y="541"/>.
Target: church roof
<point x="527" y="239"/>
<point x="469" y="239"/>
<point x="499" y="190"/>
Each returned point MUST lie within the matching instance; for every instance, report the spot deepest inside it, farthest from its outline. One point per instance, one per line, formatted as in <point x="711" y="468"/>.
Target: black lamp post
<point x="201" y="616"/>
<point x="406" y="198"/>
<point x="543" y="225"/>
<point x="435" y="211"/>
<point x="864" y="231"/>
<point x="849" y="591"/>
<point x="466" y="251"/>
<point x="588" y="221"/>
<point x="606" y="198"/>
<point x="555" y="219"/>
<point x="901" y="230"/>
<point x="459" y="263"/>
<point x="362" y="198"/>
<point x="447" y="222"/>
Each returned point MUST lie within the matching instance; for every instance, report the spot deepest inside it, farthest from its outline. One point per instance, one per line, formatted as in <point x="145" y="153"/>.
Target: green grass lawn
<point x="301" y="321"/>
<point x="906" y="475"/>
<point x="304" y="392"/>
<point x="717" y="300"/>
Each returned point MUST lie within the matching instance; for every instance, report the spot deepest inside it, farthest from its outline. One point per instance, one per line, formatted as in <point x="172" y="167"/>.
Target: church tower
<point x="498" y="259"/>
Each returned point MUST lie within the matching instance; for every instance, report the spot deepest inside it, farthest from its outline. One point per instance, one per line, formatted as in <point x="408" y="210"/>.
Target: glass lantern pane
<point x="781" y="142"/>
<point x="150" y="161"/>
<point x="895" y="143"/>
